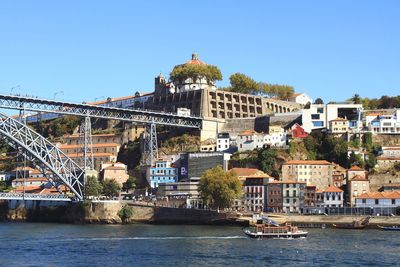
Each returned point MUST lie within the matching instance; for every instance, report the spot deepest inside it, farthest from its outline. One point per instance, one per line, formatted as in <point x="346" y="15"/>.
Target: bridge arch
<point x="38" y="148"/>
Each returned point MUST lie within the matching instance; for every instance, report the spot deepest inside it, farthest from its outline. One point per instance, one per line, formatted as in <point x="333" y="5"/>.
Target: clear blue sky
<point x="90" y="49"/>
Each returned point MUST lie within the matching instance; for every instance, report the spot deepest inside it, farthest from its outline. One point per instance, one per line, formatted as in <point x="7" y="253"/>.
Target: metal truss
<point x="30" y="196"/>
<point x="150" y="153"/>
<point x="43" y="154"/>
<point x="86" y="144"/>
<point x="132" y="115"/>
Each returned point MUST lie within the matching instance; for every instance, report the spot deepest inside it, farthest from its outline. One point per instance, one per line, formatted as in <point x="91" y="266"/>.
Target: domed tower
<point x="159" y="84"/>
<point x="183" y="81"/>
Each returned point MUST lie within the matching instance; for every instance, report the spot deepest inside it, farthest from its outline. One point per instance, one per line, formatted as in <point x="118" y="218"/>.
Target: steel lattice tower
<point x="85" y="133"/>
<point x="150" y="153"/>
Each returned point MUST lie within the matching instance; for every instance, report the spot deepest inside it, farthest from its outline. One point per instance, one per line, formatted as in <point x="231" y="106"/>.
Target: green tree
<point x="368" y="141"/>
<point x="218" y="188"/>
<point x="209" y="72"/>
<point x="356" y="99"/>
<point x="92" y="187"/>
<point x="370" y="161"/>
<point x="241" y="83"/>
<point x="130" y="183"/>
<point x="283" y="92"/>
<point x="125" y="213"/>
<point x="266" y="161"/>
<point x="318" y="101"/>
<point x="356" y="159"/>
<point x="111" y="188"/>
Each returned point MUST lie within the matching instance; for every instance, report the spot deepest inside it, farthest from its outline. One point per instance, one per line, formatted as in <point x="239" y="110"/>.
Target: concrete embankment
<point x="329" y="220"/>
<point x="106" y="212"/>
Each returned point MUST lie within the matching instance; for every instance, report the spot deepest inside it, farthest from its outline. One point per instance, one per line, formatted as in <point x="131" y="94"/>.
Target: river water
<point x="37" y="244"/>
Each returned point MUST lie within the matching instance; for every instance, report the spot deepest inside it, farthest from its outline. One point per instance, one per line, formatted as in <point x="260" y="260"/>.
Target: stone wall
<point x="377" y="180"/>
<point x="386" y="139"/>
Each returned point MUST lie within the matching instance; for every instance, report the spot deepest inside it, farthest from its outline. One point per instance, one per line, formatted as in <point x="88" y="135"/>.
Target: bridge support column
<point x="150" y="149"/>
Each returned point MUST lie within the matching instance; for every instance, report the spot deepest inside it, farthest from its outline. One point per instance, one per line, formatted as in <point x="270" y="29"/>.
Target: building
<point x="301" y="98"/>
<point x="339" y="127"/>
<point x="378" y="199"/>
<point x="339" y="175"/>
<point x="254" y="182"/>
<point x="161" y="172"/>
<point x="114" y="171"/>
<point x="390" y="156"/>
<point x="98" y="158"/>
<point x="208" y="145"/>
<point x="356" y="186"/>
<point x="187" y="190"/>
<point x="391" y="151"/>
<point x="312" y="172"/>
<point x="297" y="131"/>
<point x="31" y="182"/>
<point x="249" y="140"/>
<point x="318" y="116"/>
<point x="390" y="187"/>
<point x="223" y="142"/>
<point x="333" y="197"/>
<point x="289" y="193"/>
<point x="356" y="171"/>
<point x="310" y="197"/>
<point x="384" y="123"/>
<point x="193" y="165"/>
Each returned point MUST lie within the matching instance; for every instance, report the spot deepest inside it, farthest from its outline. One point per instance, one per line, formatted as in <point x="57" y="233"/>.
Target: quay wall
<point x="329" y="220"/>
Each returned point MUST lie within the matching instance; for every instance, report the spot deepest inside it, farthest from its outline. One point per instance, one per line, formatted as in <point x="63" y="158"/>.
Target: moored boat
<point x="355" y="225"/>
<point x="390" y="228"/>
<point x="269" y="229"/>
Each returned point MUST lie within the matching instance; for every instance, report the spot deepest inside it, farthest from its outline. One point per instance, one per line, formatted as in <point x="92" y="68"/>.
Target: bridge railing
<point x="31" y="196"/>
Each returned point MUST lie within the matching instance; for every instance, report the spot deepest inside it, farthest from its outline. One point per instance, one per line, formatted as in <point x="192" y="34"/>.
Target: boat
<point x="270" y="229"/>
<point x="390" y="228"/>
<point x="356" y="225"/>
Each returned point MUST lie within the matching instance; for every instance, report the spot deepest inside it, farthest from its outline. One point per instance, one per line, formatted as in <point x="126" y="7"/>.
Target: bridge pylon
<point x="150" y="148"/>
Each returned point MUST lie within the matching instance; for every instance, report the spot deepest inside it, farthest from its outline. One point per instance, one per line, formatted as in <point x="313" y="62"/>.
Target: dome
<point x="195" y="60"/>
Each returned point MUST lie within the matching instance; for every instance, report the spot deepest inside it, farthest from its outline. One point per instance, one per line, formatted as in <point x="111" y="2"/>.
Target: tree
<point x="241" y="83"/>
<point x="130" y="183"/>
<point x="218" y="188"/>
<point x="318" y="101"/>
<point x="370" y="161"/>
<point x="92" y="187"/>
<point x="209" y="72"/>
<point x="111" y="188"/>
<point x="283" y="92"/>
<point x="356" y="99"/>
<point x="125" y="213"/>
<point x="356" y="159"/>
<point x="266" y="161"/>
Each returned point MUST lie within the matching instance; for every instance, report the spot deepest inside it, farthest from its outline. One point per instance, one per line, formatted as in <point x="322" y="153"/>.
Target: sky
<point x="87" y="50"/>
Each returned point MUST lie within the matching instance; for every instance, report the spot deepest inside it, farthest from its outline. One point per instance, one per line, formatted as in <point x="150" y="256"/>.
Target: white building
<point x="391" y="151"/>
<point x="223" y="141"/>
<point x="250" y="140"/>
<point x="333" y="197"/>
<point x="301" y="98"/>
<point x="383" y="124"/>
<point x="378" y="199"/>
<point x="319" y="115"/>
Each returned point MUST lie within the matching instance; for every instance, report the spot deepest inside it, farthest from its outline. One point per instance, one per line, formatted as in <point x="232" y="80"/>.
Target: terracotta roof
<point x="333" y="189"/>
<point x="249" y="173"/>
<point x="39" y="179"/>
<point x="286" y="182"/>
<point x="380" y="195"/>
<point x="195" y="61"/>
<point x="307" y="162"/>
<point x="114" y="168"/>
<point x="296" y="94"/>
<point x="76" y="155"/>
<point x="23" y="169"/>
<point x="339" y="119"/>
<point x="386" y="158"/>
<point x="65" y="146"/>
<point x="248" y="132"/>
<point x="28" y="189"/>
<point x="359" y="178"/>
<point x="392" y="184"/>
<point x="356" y="168"/>
<point x="94" y="135"/>
<point x="391" y="148"/>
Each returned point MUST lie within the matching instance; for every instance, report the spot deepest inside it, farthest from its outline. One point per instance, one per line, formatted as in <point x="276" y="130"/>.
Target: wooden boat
<point x="270" y="229"/>
<point x="390" y="228"/>
<point x="356" y="225"/>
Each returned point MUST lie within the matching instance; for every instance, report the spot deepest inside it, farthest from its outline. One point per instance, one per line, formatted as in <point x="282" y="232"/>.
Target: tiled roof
<point x="248" y="132"/>
<point x="380" y="195"/>
<point x="391" y="148"/>
<point x="65" y="146"/>
<point x="307" y="162"/>
<point x="28" y="189"/>
<point x="333" y="189"/>
<point x="40" y="179"/>
<point x="249" y="172"/>
<point x="339" y="119"/>
<point x="286" y="182"/>
<point x="114" y="168"/>
<point x="356" y="168"/>
<point x="386" y="158"/>
<point x="94" y="135"/>
<point x="78" y="155"/>
<point x="359" y="178"/>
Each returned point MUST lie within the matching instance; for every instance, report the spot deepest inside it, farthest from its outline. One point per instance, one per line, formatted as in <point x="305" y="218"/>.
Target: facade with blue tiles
<point x="161" y="172"/>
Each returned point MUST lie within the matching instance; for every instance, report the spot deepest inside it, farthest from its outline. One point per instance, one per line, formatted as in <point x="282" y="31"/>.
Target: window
<point x="393" y="201"/>
<point x="318" y="123"/>
<point x="364" y="201"/>
<point x="376" y="201"/>
<point x="320" y="110"/>
<point x="287" y="193"/>
<point x="315" y="116"/>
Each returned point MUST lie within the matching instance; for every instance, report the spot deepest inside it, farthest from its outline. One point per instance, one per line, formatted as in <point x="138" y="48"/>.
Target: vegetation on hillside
<point x="130" y="154"/>
<point x="183" y="143"/>
<point x="242" y="83"/>
<point x="384" y="102"/>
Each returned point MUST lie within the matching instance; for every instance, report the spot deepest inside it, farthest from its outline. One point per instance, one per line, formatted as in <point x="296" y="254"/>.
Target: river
<point x="38" y="244"/>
